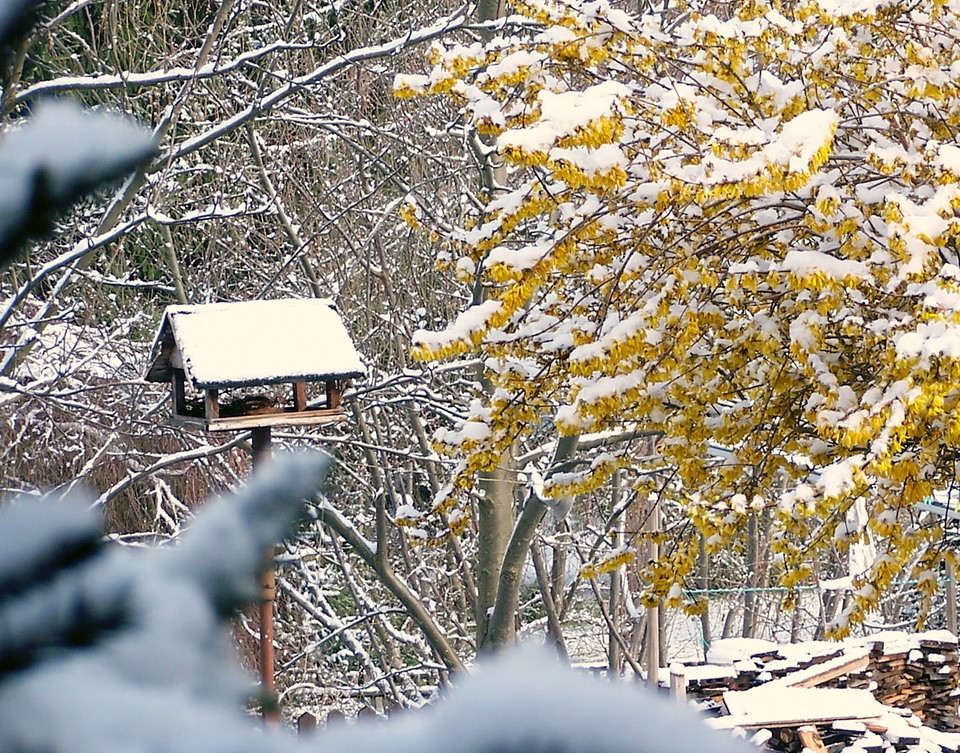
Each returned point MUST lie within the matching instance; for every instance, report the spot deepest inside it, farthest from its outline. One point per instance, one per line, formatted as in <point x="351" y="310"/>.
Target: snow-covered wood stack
<point x="891" y="691"/>
<point x="914" y="672"/>
<point x="741" y="664"/>
<point x="922" y="679"/>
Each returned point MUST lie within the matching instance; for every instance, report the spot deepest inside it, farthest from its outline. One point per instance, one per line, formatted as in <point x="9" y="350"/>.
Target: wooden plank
<point x="821" y="673"/>
<point x="306" y="418"/>
<point x="792" y="707"/>
<point x="853" y="661"/>
<point x="241" y="423"/>
<point x="810" y="738"/>
<point x="731" y="722"/>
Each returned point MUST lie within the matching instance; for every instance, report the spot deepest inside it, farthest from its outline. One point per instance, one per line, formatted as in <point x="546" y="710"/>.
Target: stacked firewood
<point x="750" y="672"/>
<point x="923" y="680"/>
<point x="918" y="674"/>
<point x="711" y="689"/>
<point x="840" y="738"/>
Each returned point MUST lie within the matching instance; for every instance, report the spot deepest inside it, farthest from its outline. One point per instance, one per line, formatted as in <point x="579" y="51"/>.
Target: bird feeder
<point x="253" y="364"/>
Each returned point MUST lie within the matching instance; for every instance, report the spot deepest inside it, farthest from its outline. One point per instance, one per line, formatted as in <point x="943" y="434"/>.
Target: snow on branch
<point x="56" y="156"/>
<point x="153" y="672"/>
<point x="127" y="80"/>
<point x="105" y="649"/>
<point x="457" y="20"/>
<point x="175" y="458"/>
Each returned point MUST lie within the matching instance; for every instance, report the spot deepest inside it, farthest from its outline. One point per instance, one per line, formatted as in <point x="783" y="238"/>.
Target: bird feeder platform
<point x="227" y="363"/>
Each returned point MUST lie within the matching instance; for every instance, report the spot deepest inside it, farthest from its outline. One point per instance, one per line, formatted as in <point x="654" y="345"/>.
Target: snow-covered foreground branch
<point x="104" y="649"/>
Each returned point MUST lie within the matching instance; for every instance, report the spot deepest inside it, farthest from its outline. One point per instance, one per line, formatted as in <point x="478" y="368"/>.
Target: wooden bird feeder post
<point x="226" y="363"/>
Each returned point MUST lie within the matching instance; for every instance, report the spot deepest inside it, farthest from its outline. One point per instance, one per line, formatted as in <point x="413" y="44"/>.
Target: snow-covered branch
<point x="168" y="461"/>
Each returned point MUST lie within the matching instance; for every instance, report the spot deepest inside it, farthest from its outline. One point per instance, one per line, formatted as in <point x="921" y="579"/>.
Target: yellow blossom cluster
<point x="738" y="233"/>
<point x="607" y="564"/>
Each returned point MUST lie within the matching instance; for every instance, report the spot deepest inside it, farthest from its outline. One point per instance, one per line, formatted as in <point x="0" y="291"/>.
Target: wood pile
<point x="756" y="670"/>
<point x="912" y="680"/>
<point x="839" y="738"/>
<point x="923" y="680"/>
<point x="921" y="677"/>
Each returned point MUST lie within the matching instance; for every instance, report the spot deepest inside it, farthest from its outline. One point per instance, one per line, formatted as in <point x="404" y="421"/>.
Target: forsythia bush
<point x="733" y="225"/>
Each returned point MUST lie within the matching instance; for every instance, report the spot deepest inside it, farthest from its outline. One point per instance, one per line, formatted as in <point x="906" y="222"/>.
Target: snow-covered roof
<point x="222" y="345"/>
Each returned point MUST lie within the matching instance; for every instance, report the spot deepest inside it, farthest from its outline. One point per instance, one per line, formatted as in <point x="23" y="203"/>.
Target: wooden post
<point x="951" y="598"/>
<point x="179" y="392"/>
<point x="653" y="647"/>
<point x="299" y="396"/>
<point x="333" y="395"/>
<point x="678" y="685"/>
<point x="211" y="405"/>
<point x="271" y="713"/>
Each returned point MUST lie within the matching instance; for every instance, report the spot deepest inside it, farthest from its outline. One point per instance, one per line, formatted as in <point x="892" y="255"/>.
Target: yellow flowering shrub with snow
<point x="735" y="232"/>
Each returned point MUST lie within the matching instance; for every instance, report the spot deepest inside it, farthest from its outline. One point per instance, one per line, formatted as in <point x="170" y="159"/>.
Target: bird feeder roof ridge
<point x="251" y="343"/>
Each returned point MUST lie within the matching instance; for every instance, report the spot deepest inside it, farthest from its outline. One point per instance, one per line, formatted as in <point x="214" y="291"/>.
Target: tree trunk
<point x="501" y="626"/>
<point x="495" y="517"/>
<point x="653" y="613"/>
<point x="614" y="642"/>
<point x="750" y="595"/>
<point x="495" y="523"/>
<point x="705" y="586"/>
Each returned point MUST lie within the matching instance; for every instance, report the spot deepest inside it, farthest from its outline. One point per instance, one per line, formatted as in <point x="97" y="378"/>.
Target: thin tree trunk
<point x="662" y="637"/>
<point x="653" y="613"/>
<point x="174" y="264"/>
<point x="487" y="10"/>
<point x="729" y="621"/>
<point x="637" y="632"/>
<point x="610" y="627"/>
<point x="614" y="639"/>
<point x="951" y="597"/>
<point x="495" y="516"/>
<point x="795" y="624"/>
<point x="750" y="595"/>
<point x="705" y="586"/>
<point x="554" y="629"/>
